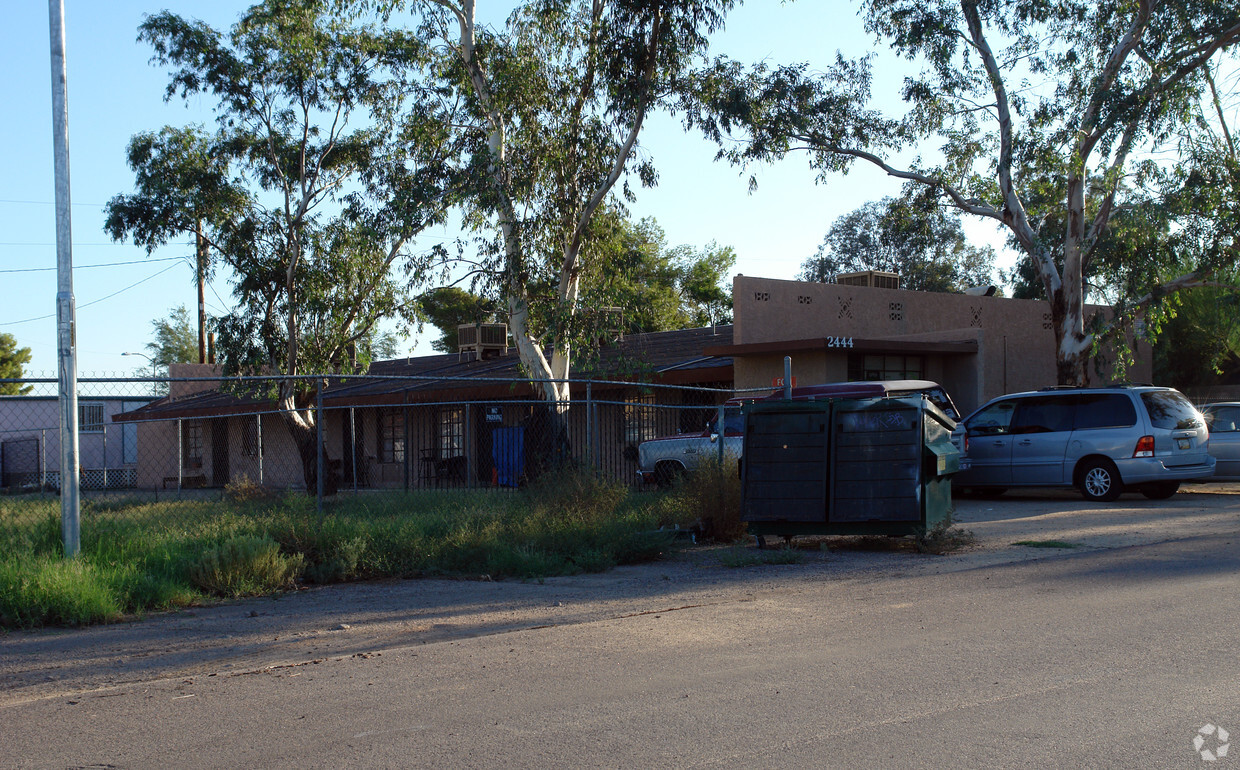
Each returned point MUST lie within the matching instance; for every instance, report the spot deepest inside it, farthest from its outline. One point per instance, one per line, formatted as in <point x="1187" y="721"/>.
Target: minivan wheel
<point x="1160" y="490"/>
<point x="1100" y="482"/>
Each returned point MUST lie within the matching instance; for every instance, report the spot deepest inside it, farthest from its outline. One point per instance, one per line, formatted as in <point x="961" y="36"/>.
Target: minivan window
<point x="993" y="420"/>
<point x="1043" y="414"/>
<point x="1170" y="410"/>
<point x="1104" y="410"/>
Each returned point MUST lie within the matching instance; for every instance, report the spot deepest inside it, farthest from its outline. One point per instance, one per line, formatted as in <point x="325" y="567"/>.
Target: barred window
<point x="90" y="418"/>
<point x="863" y="366"/>
<point x="638" y="418"/>
<point x="452" y="432"/>
<point x="191" y="443"/>
<point x="392" y="436"/>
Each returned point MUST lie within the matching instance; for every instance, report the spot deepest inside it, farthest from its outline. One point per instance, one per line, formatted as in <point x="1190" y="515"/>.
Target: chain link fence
<point x="149" y="440"/>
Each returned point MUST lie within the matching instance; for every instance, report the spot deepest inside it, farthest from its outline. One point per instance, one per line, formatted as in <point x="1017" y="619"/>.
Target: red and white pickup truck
<point x="661" y="460"/>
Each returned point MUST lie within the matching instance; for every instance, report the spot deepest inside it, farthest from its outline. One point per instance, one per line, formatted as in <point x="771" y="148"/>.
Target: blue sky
<point x="114" y="93"/>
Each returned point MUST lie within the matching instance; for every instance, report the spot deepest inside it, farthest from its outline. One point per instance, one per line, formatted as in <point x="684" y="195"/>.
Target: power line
<point x="46" y="203"/>
<point x="84" y="267"/>
<point x="93" y="302"/>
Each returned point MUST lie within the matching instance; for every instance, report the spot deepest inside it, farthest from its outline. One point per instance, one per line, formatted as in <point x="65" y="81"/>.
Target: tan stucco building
<point x="976" y="347"/>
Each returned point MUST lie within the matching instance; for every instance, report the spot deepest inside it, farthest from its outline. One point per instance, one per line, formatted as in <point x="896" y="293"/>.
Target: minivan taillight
<point x="966" y="443"/>
<point x="1145" y="447"/>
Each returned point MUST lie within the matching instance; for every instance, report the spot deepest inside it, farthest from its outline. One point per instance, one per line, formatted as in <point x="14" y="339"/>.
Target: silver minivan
<point x="1099" y="440"/>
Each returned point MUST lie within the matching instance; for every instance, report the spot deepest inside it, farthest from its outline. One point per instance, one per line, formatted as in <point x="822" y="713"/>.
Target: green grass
<point x="1046" y="544"/>
<point x="737" y="557"/>
<point x="141" y="556"/>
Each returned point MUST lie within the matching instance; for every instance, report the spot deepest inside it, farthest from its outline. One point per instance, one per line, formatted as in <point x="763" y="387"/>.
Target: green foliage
<point x="707" y="498"/>
<point x="176" y="339"/>
<point x="555" y="103"/>
<point x="333" y="184"/>
<point x="12" y="358"/>
<point x="447" y="307"/>
<point x="738" y="557"/>
<point x="50" y="590"/>
<point x="1086" y="172"/>
<point x="1199" y="340"/>
<point x="924" y="244"/>
<point x="139" y="557"/>
<point x="245" y="565"/>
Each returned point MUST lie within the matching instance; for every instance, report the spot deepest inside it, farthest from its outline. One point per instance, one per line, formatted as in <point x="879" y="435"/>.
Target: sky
<point x="114" y="92"/>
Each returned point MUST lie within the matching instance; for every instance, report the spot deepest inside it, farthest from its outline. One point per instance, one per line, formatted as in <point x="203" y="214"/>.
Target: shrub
<point x="577" y="490"/>
<point x="246" y="565"/>
<point x="54" y="590"/>
<point x="245" y="491"/>
<point x="709" y="498"/>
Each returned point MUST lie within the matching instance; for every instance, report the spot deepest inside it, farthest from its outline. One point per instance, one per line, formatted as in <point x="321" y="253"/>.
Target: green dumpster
<point x="850" y="467"/>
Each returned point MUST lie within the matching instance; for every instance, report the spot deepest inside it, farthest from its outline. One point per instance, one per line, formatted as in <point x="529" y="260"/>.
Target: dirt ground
<point x="315" y="624"/>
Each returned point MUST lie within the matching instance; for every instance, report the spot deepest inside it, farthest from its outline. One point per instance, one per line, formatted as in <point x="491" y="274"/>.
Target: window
<point x="863" y="366"/>
<point x="1169" y="410"/>
<point x="1044" y="414"/>
<point x="451" y="432"/>
<point x="638" y="418"/>
<point x="993" y="420"/>
<point x="191" y="444"/>
<point x="90" y="418"/>
<point x="391" y="436"/>
<point x="1104" y="410"/>
<point x="1223" y="419"/>
<point x="251" y="443"/>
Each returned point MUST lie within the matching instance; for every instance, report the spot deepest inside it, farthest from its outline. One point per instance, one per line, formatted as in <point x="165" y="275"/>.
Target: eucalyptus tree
<point x="345" y="159"/>
<point x="184" y="185"/>
<point x="557" y="100"/>
<point x="12" y="359"/>
<point x="924" y="244"/>
<point x="1048" y="117"/>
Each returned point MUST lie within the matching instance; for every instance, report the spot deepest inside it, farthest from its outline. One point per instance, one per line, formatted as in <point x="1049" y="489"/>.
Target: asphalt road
<point x="1111" y="654"/>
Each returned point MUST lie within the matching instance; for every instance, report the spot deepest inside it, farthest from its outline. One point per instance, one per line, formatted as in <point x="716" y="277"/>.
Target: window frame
<point x="391" y="436"/>
<point x="91" y="426"/>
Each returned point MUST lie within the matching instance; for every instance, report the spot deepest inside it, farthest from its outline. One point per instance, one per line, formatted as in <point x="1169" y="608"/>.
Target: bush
<point x="709" y="499"/>
<point x="244" y="491"/>
<point x="247" y="565"/>
<point x="54" y="590"/>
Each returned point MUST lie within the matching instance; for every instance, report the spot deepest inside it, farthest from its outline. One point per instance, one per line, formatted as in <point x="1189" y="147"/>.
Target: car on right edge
<point x="1102" y="441"/>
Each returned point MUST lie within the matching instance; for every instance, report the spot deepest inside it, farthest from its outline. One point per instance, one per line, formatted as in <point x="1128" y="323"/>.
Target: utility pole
<point x="200" y="252"/>
<point x="66" y="333"/>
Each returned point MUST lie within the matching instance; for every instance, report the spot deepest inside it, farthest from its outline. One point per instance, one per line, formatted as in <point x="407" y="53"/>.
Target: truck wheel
<point x="665" y="474"/>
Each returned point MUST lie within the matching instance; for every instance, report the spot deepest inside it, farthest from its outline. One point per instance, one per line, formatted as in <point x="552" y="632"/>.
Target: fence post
<point x="318" y="424"/>
<point x="259" y="420"/>
<point x="720" y="431"/>
<point x="180" y="458"/>
<point x="353" y="446"/>
<point x="589" y="424"/>
<point x="43" y="461"/>
<point x="105" y="456"/>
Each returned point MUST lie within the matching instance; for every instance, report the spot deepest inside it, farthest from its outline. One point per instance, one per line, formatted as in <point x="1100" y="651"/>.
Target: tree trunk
<point x="303" y="428"/>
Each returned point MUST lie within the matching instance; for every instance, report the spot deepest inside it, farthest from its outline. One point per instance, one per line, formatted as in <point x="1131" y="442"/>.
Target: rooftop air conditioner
<point x="484" y="340"/>
<point x="874" y="278"/>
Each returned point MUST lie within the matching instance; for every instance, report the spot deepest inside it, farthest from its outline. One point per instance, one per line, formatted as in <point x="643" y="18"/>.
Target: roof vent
<point x="488" y="340"/>
<point x="874" y="278"/>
